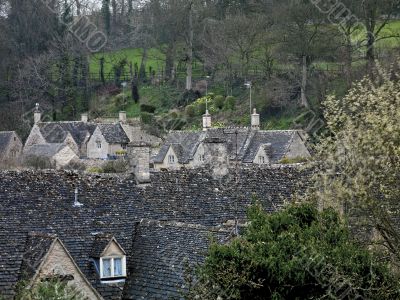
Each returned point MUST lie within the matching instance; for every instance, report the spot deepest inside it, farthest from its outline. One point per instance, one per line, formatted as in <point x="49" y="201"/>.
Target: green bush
<point x="96" y="170"/>
<point x="230" y="103"/>
<point x="39" y="163"/>
<point x="293" y="160"/>
<point x="219" y="101"/>
<point x="201" y="108"/>
<point x="190" y="111"/>
<point x="147" y="118"/>
<point x="117" y="166"/>
<point x="75" y="165"/>
<point x="147" y="108"/>
<point x="296" y="253"/>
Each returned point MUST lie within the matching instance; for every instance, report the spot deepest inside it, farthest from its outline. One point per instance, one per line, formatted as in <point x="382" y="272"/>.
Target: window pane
<point x="106" y="267"/>
<point x="117" y="267"/>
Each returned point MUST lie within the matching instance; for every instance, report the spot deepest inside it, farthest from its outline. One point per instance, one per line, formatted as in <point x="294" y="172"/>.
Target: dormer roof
<point x="101" y="244"/>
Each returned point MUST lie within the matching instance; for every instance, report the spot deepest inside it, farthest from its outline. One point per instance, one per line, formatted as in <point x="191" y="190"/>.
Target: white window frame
<point x="261" y="159"/>
<point x="171" y="159"/>
<point x="111" y="258"/>
<point x="98" y="144"/>
<point x="202" y="157"/>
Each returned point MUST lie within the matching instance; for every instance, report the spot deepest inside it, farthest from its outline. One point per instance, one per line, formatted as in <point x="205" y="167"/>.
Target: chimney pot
<point x="84" y="118"/>
<point x="122" y="116"/>
<point x="37" y="116"/>
<point x="255" y="120"/>
<point x="206" y="121"/>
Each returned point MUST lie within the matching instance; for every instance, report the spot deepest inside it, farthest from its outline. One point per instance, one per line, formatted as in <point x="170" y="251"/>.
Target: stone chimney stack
<point x="122" y="116"/>
<point x="206" y="121"/>
<point x="37" y="115"/>
<point x="216" y="156"/>
<point x="84" y="118"/>
<point x="255" y="120"/>
<point x="139" y="160"/>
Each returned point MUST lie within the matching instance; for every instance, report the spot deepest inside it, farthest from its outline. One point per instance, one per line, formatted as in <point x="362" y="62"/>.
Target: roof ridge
<point x="220" y="228"/>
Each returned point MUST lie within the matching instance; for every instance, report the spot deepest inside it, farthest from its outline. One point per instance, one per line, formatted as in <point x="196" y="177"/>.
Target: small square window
<point x="98" y="145"/>
<point x="171" y="159"/>
<point x="261" y="160"/>
<point x="202" y="157"/>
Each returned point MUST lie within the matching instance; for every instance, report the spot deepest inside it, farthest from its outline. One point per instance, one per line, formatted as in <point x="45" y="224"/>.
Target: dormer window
<point x="113" y="267"/>
<point x="98" y="144"/>
<point x="171" y="159"/>
<point x="109" y="259"/>
<point x="261" y="159"/>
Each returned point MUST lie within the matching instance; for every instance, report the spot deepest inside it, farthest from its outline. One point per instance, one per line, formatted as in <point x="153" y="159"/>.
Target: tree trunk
<point x="189" y="70"/>
<point x="103" y="81"/>
<point x="142" y="70"/>
<point x="304" y="73"/>
<point x="348" y="60"/>
<point x="114" y="16"/>
<point x="170" y="62"/>
<point x="370" y="55"/>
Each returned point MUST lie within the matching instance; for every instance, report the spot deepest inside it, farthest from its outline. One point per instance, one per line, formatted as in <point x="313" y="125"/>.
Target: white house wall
<point x="166" y="164"/>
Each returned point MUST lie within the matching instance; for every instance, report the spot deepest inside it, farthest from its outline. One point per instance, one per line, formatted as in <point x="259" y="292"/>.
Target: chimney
<point x="139" y="160"/>
<point x="216" y="155"/>
<point x="37" y="115"/>
<point x="122" y="116"/>
<point x="206" y="121"/>
<point x="84" y="118"/>
<point x="255" y="120"/>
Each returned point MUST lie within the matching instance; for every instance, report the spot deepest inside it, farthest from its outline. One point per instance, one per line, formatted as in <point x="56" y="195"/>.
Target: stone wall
<point x="92" y="148"/>
<point x="58" y="262"/>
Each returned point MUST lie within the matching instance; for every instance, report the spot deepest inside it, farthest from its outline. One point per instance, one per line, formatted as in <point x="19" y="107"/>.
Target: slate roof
<point x="242" y="143"/>
<point x="5" y="139"/>
<point x="163" y="250"/>
<point x="114" y="133"/>
<point x="46" y="150"/>
<point x="43" y="202"/>
<point x="56" y="132"/>
<point x="37" y="246"/>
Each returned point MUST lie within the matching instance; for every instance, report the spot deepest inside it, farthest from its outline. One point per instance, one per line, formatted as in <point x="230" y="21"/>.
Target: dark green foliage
<point x="201" y="108"/>
<point x="147" y="108"/>
<point x="135" y="91"/>
<point x="298" y="253"/>
<point x="147" y="118"/>
<point x="117" y="166"/>
<point x="190" y="111"/>
<point x="38" y="163"/>
<point x="230" y="103"/>
<point x="219" y="101"/>
<point x="188" y="97"/>
<point x="105" y="11"/>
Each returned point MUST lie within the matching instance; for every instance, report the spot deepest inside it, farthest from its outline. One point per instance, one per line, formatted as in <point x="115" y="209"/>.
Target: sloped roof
<point x="45" y="150"/>
<point x="5" y="139"/>
<point x="56" y="132"/>
<point x="159" y="254"/>
<point x="37" y="246"/>
<point x="242" y="143"/>
<point x="114" y="133"/>
<point x="43" y="202"/>
<point x="280" y="141"/>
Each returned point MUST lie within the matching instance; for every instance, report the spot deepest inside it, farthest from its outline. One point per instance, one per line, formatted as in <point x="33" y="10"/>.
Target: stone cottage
<point x="10" y="147"/>
<point x="88" y="139"/>
<point x="59" y="155"/>
<point x="242" y="145"/>
<point x="116" y="239"/>
<point x="107" y="141"/>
